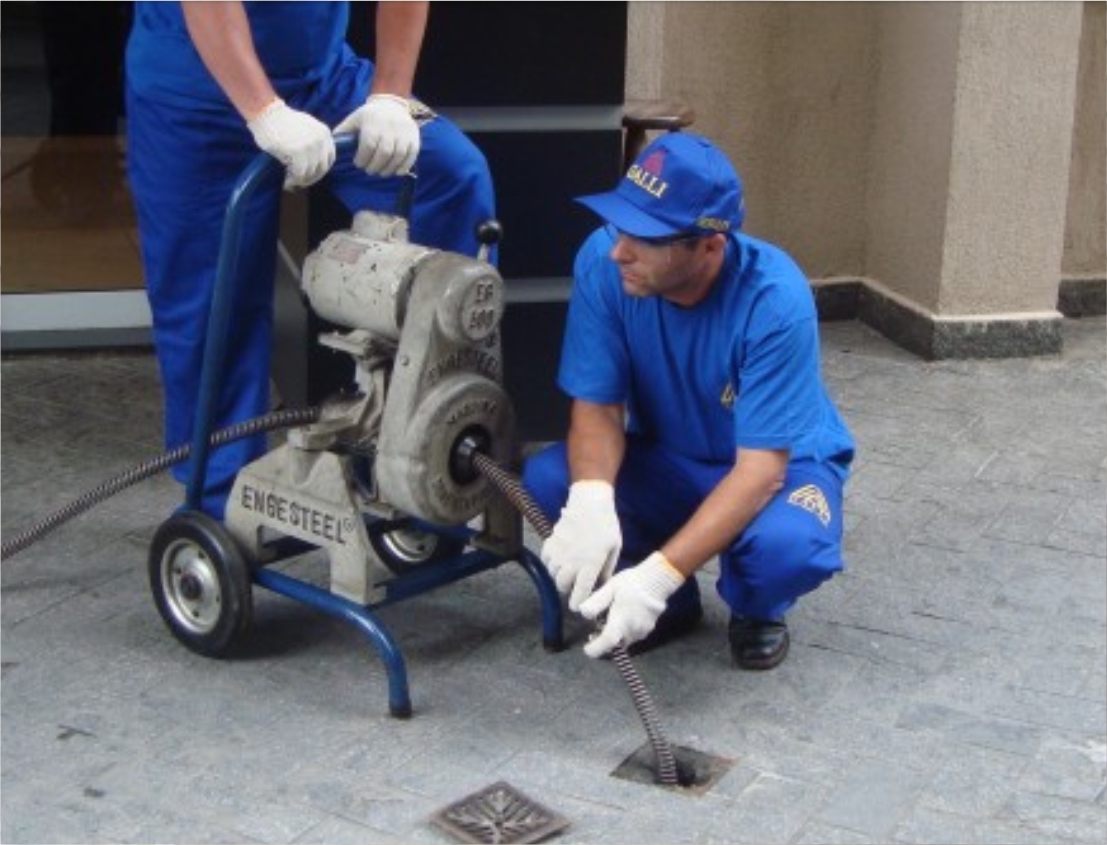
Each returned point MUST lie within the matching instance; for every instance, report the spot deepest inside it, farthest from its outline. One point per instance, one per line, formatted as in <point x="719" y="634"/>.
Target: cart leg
<point x="552" y="638"/>
<point x="399" y="701"/>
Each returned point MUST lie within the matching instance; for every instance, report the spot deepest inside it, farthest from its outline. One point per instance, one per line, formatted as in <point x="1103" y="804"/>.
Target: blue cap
<point x="679" y="184"/>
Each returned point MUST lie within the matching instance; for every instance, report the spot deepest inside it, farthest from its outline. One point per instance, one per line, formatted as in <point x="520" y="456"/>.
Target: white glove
<point x="633" y="600"/>
<point x="297" y="140"/>
<point x="585" y="542"/>
<point x="388" y="136"/>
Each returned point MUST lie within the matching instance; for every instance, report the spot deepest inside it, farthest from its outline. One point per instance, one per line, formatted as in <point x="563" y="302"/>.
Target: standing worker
<point x="208" y="86"/>
<point x="700" y="425"/>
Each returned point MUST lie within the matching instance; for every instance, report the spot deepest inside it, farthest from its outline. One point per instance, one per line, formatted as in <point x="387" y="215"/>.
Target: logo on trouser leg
<point x="811" y="499"/>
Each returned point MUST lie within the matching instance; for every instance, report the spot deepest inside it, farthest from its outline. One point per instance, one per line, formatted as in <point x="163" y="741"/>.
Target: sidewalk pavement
<point x="949" y="687"/>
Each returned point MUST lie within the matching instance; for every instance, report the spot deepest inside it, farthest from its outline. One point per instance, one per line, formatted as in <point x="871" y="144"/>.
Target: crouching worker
<point x="700" y="425"/>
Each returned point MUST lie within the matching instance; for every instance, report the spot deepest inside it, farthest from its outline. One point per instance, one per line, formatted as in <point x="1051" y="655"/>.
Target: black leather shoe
<point x="758" y="644"/>
<point x="669" y="627"/>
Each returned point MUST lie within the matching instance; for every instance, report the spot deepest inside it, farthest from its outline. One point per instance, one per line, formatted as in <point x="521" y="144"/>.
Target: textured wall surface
<point x="911" y="147"/>
<point x="922" y="147"/>
<point x="785" y="89"/>
<point x="1015" y="95"/>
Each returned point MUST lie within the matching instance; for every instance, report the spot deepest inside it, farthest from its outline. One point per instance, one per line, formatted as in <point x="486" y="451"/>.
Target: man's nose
<point x="620" y="253"/>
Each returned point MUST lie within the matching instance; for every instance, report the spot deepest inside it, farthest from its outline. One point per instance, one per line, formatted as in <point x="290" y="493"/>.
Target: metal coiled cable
<point x="505" y="482"/>
<point x="510" y="487"/>
<point x="258" y="425"/>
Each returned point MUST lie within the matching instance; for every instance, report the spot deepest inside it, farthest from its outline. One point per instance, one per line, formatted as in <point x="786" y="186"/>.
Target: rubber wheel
<point x="406" y="548"/>
<point x="201" y="583"/>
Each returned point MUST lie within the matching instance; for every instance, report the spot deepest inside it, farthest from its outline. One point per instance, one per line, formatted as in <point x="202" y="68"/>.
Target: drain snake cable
<point x="146" y="469"/>
<point x="503" y="481"/>
<point x="511" y="488"/>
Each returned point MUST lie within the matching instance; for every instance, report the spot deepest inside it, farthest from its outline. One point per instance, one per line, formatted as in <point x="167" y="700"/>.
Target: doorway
<point x="71" y="274"/>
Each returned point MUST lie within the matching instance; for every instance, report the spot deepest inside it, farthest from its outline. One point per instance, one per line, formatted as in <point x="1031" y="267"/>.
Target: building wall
<point x="911" y="147"/>
<point x="920" y="150"/>
<point x="786" y="89"/>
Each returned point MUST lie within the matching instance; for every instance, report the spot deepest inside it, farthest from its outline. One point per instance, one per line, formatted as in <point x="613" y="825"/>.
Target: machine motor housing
<point x="424" y="331"/>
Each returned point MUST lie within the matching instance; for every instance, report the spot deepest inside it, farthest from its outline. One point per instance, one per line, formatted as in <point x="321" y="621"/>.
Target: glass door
<point x="70" y="272"/>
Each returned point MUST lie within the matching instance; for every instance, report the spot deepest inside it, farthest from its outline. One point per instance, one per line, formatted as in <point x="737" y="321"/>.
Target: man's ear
<point x="716" y="243"/>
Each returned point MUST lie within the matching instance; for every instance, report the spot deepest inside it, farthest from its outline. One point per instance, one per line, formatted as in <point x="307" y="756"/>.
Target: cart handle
<point x="263" y="170"/>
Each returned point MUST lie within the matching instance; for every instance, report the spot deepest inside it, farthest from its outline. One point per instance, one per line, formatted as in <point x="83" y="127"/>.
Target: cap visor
<point x="626" y="217"/>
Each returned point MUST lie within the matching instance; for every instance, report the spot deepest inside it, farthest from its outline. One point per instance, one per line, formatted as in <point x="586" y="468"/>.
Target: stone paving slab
<point x="949" y="687"/>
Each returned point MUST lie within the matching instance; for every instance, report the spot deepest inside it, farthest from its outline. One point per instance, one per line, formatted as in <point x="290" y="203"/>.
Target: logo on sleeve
<point x="811" y="499"/>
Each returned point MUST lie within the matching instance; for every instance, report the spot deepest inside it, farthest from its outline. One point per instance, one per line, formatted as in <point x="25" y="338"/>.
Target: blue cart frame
<point x="426" y="577"/>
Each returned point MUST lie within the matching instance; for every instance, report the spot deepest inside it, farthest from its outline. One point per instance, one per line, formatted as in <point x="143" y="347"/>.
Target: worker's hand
<point x="585" y="542"/>
<point x="297" y="140"/>
<point x="632" y="600"/>
<point x="388" y="136"/>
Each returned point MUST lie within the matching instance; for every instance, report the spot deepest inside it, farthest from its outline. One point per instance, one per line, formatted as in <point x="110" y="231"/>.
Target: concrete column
<point x="1083" y="286"/>
<point x="972" y="130"/>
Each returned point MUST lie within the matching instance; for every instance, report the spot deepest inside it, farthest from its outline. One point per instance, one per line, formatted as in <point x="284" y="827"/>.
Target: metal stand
<point x="426" y="578"/>
<point x="197" y="563"/>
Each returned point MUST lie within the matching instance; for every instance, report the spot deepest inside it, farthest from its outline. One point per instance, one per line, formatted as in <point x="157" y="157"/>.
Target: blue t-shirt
<point x="740" y="369"/>
<point x="296" y="42"/>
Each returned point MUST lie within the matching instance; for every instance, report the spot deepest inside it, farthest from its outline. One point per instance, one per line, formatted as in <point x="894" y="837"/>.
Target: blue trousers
<point x="791" y="547"/>
<point x="183" y="165"/>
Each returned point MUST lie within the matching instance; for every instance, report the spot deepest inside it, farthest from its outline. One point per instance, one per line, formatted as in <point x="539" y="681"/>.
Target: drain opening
<point x="499" y="814"/>
<point x="696" y="772"/>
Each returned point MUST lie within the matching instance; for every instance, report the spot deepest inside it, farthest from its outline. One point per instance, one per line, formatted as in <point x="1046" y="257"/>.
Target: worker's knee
<point x="546" y="478"/>
<point x="795" y="557"/>
<point x="786" y="552"/>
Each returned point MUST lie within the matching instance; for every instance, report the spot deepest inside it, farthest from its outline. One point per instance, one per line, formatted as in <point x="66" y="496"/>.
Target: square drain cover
<point x="499" y="813"/>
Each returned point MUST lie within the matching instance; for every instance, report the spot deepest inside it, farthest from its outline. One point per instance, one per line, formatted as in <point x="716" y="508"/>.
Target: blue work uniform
<point x="739" y="370"/>
<point x="187" y="148"/>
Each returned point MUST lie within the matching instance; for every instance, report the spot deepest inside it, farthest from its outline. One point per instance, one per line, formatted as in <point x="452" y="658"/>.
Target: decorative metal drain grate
<point x="499" y="814"/>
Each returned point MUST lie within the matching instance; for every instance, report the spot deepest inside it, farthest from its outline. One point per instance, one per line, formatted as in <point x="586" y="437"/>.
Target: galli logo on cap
<point x="679" y="184"/>
<point x="647" y="175"/>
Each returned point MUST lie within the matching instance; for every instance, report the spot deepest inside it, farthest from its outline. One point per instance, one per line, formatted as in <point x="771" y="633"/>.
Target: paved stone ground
<point x="950" y="687"/>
